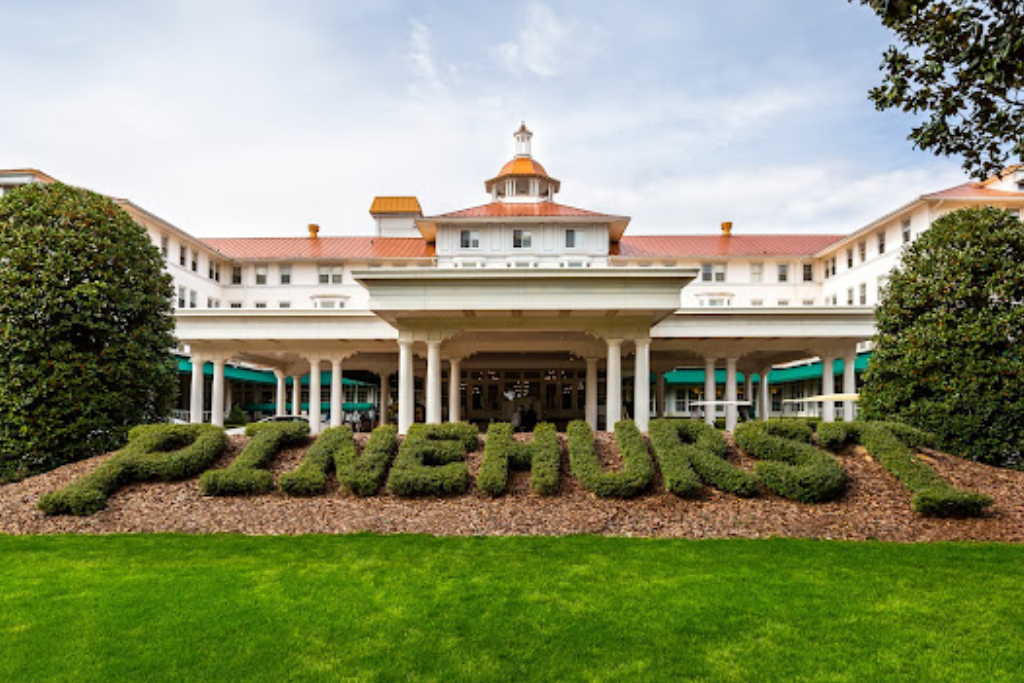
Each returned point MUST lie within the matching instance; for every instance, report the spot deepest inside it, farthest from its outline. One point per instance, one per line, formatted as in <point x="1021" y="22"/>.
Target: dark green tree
<point x="959" y="64"/>
<point x="949" y="351"/>
<point x="86" y="328"/>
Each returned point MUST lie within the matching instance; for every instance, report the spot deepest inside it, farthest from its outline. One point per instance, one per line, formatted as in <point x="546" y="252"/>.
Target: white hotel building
<point x="467" y="315"/>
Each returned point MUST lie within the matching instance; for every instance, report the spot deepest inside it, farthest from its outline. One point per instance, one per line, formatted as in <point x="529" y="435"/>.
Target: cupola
<point x="523" y="179"/>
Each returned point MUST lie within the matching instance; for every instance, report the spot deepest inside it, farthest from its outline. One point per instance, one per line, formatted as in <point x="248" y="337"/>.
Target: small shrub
<point x="364" y="474"/>
<point x="503" y="452"/>
<point x="432" y="460"/>
<point x="892" y="445"/>
<point x="236" y="417"/>
<point x="637" y="471"/>
<point x="790" y="465"/>
<point x="153" y="453"/>
<point x="689" y="452"/>
<point x="247" y="475"/>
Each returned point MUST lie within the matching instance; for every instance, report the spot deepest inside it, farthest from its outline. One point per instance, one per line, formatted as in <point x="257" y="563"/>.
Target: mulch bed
<point x="876" y="506"/>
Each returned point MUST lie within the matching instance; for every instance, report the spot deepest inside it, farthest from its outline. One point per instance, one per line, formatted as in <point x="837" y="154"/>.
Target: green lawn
<point x="414" y="608"/>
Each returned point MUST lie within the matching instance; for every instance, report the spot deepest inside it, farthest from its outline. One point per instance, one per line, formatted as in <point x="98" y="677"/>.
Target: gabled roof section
<point x="521" y="210"/>
<point x="682" y="246"/>
<point x="38" y="175"/>
<point x="326" y="248"/>
<point x="386" y="205"/>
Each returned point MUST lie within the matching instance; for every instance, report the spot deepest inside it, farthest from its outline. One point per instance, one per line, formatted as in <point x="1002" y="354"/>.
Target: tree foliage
<point x="948" y="355"/>
<point x="960" y="64"/>
<point x="86" y="328"/>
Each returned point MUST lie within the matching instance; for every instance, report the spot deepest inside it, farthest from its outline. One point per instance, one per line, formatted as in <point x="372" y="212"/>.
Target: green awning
<point x="695" y="376"/>
<point x="264" y="376"/>
<point x="325" y="407"/>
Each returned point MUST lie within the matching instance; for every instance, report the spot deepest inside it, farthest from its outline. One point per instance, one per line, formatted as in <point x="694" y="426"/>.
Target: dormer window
<point x="522" y="239"/>
<point x="469" y="239"/>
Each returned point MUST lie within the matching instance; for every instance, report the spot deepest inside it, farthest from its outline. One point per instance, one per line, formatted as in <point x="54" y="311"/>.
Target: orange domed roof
<point x="522" y="166"/>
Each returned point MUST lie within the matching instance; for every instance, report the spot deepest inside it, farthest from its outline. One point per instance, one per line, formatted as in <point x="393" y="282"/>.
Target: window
<point x="285" y="271"/>
<point x="881" y="242"/>
<point x="165" y="246"/>
<point x="209" y="302"/>
<point x="182" y="256"/>
<point x="216" y="271"/>
<point x="236" y="275"/>
<point x="849" y="258"/>
<point x="757" y="302"/>
<point x="757" y="272"/>
<point x="906" y="232"/>
<point x="783" y="302"/>
<point x="328" y="303"/>
<point x="284" y="304"/>
<point x="863" y="294"/>
<point x="863" y="249"/>
<point x="522" y="239"/>
<point x="195" y="261"/>
<point x="849" y="296"/>
<point x="181" y="297"/>
<point x="192" y="299"/>
<point x="261" y="275"/>
<point x="712" y="272"/>
<point x="330" y="275"/>
<point x="235" y="304"/>
<point x="573" y="238"/>
<point x="261" y="304"/>
<point x="1015" y="212"/>
<point x="808" y="272"/>
<point x="807" y="302"/>
<point x="783" y="272"/>
<point x="715" y="301"/>
<point x="469" y="239"/>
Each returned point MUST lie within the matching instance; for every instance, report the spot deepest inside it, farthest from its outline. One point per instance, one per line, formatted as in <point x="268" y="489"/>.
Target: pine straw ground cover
<point x="584" y="608"/>
<point x="875" y="506"/>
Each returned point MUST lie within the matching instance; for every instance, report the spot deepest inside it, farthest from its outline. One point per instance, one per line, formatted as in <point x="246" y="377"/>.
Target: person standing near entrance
<point x="529" y="419"/>
<point x="517" y="419"/>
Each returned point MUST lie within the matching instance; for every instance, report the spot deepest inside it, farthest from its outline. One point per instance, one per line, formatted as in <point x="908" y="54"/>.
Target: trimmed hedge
<point x="247" y="475"/>
<point x="432" y="460"/>
<point x="154" y="453"/>
<point x="790" y="465"/>
<point x="364" y="474"/>
<point x="503" y="452"/>
<point x="893" y="444"/>
<point x="690" y="452"/>
<point x="637" y="471"/>
<point x="310" y="477"/>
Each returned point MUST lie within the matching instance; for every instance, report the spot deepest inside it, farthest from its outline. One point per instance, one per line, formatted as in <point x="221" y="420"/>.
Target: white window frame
<point x="757" y="272"/>
<point x="783" y="272"/>
<point x="261" y="274"/>
<point x="284" y="272"/>
<point x="522" y="239"/>
<point x="469" y="239"/>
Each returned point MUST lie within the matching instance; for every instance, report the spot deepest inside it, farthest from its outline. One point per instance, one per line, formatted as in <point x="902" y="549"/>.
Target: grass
<point x="417" y="608"/>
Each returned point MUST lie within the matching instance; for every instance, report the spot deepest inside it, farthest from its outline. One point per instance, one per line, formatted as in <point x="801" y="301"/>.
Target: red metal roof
<point x="718" y="245"/>
<point x="281" y="248"/>
<point x="973" y="191"/>
<point x="516" y="210"/>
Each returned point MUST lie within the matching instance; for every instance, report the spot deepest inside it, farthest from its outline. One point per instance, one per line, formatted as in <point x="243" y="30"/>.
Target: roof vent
<point x="727" y="229"/>
<point x="314" y="230"/>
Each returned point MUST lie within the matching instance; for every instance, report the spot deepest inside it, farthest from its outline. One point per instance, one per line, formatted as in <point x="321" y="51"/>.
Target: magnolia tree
<point x="86" y="328"/>
<point x="948" y="355"/>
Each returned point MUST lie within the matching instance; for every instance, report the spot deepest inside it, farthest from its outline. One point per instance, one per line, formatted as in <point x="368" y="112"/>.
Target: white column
<point x="406" y="408"/>
<point x="296" y="394"/>
<point x="217" y="395"/>
<point x="849" y="384"/>
<point x="383" y="394"/>
<point x="660" y="394"/>
<point x="433" y="382"/>
<point x="315" y="416"/>
<point x="828" y="386"/>
<point x="642" y="384"/>
<point x="455" y="390"/>
<point x="748" y="387"/>
<point x="229" y="396"/>
<point x="282" y="393"/>
<point x="591" y="393"/>
<point x="195" y="405"/>
<point x="337" y="395"/>
<point x="731" y="413"/>
<point x="765" y="394"/>
<point x="613" y="380"/>
<point x="709" y="390"/>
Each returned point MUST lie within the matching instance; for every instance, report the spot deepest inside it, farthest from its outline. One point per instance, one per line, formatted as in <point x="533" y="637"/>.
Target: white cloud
<point x="420" y="54"/>
<point x="547" y="44"/>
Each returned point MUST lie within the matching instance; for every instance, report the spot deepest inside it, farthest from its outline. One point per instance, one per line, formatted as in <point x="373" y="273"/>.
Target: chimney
<point x="314" y="229"/>
<point x="727" y="229"/>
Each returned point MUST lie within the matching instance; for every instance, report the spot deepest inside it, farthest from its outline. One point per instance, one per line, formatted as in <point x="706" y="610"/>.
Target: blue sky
<point x="255" y="118"/>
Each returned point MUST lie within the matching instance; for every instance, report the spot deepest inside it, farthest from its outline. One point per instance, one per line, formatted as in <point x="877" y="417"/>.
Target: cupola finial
<point x="522" y="137"/>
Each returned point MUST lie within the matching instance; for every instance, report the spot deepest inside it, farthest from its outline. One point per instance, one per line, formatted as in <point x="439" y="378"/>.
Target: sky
<point x="235" y="119"/>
